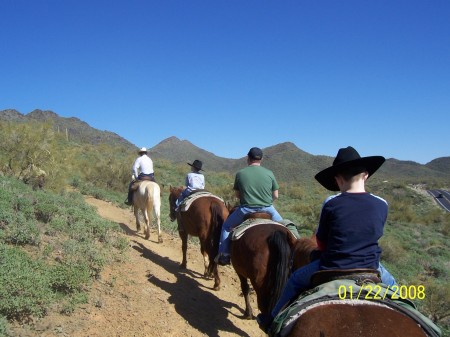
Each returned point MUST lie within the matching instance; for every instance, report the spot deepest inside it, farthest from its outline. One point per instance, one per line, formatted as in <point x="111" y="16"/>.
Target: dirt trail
<point x="149" y="296"/>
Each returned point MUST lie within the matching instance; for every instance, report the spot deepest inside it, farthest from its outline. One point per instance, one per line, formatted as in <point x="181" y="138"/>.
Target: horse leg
<point x="246" y="292"/>
<point x="207" y="273"/>
<point x="147" y="224"/>
<point x="184" y="238"/>
<point x="216" y="276"/>
<point x="157" y="212"/>
<point x="136" y="215"/>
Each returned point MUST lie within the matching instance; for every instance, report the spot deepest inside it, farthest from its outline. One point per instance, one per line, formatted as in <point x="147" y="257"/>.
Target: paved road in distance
<point x="442" y="197"/>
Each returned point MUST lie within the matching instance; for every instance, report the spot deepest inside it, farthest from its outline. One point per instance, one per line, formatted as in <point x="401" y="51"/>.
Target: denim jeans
<point x="182" y="196"/>
<point x="236" y="218"/>
<point x="300" y="281"/>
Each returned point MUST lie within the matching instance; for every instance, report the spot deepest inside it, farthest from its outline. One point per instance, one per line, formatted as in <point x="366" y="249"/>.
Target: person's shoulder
<point x="263" y="169"/>
<point x="331" y="197"/>
<point x="378" y="198"/>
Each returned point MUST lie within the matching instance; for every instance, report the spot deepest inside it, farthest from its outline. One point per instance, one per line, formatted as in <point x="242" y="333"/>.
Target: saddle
<point x="257" y="215"/>
<point x="359" y="275"/>
<point x="135" y="183"/>
<point x="151" y="178"/>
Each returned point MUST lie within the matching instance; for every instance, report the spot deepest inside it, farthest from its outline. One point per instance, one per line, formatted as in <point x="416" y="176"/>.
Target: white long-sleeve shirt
<point x="195" y="181"/>
<point x="143" y="164"/>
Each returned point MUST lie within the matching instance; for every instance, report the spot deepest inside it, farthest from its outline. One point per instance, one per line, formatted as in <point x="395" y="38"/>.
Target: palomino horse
<point x="147" y="198"/>
<point x="203" y="219"/>
<point x="342" y="318"/>
<point x="263" y="255"/>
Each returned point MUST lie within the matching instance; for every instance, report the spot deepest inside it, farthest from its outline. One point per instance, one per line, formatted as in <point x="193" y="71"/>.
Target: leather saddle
<point x="359" y="275"/>
<point x="257" y="215"/>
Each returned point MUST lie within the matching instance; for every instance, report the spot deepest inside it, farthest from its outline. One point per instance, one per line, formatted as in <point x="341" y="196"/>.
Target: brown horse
<point x="263" y="255"/>
<point x="342" y="318"/>
<point x="203" y="219"/>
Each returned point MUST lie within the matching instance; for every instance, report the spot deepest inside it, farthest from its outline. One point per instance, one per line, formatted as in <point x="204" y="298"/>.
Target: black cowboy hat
<point x="197" y="164"/>
<point x="347" y="158"/>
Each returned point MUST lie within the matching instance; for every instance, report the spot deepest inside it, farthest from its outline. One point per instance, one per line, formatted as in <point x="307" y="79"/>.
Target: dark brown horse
<point x="358" y="320"/>
<point x="263" y="255"/>
<point x="340" y="318"/>
<point x="203" y="219"/>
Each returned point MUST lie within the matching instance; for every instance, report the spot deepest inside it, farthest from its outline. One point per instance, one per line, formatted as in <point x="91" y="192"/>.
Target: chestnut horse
<point x="263" y="256"/>
<point x="203" y="219"/>
<point x="147" y="198"/>
<point x="360" y="319"/>
<point x="342" y="318"/>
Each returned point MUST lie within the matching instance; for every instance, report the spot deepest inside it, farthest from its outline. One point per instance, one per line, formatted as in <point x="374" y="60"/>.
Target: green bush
<point x="24" y="231"/>
<point x="24" y="285"/>
<point x="3" y="326"/>
<point x="35" y="228"/>
<point x="69" y="277"/>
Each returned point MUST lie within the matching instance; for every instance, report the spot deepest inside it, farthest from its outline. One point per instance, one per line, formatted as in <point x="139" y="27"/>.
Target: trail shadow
<point x="127" y="229"/>
<point x="132" y="232"/>
<point x="201" y="309"/>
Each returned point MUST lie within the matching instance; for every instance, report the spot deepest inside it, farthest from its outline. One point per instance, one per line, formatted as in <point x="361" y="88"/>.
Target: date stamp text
<point x="377" y="292"/>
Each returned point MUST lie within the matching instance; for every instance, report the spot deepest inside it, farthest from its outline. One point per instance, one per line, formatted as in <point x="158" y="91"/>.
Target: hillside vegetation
<point x="53" y="245"/>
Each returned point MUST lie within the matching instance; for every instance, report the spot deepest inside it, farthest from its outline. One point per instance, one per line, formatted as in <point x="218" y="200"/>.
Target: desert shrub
<point x="3" y="326"/>
<point x="82" y="242"/>
<point x="437" y="303"/>
<point x="69" y="277"/>
<point x="22" y="232"/>
<point x="392" y="251"/>
<point x="71" y="303"/>
<point x="24" y="285"/>
<point x="23" y="204"/>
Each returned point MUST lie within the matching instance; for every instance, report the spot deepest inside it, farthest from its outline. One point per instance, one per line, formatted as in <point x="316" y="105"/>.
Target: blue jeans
<point x="300" y="281"/>
<point x="236" y="218"/>
<point x="182" y="196"/>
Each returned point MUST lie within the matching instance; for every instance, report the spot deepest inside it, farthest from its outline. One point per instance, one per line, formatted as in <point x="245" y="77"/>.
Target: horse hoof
<point x="216" y="288"/>
<point x="183" y="266"/>
<point x="160" y="240"/>
<point x="147" y="237"/>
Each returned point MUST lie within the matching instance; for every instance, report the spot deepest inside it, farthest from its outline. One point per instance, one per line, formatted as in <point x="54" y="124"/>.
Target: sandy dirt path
<point x="148" y="295"/>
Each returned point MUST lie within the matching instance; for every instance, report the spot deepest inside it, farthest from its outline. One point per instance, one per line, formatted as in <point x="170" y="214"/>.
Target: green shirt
<point x="255" y="185"/>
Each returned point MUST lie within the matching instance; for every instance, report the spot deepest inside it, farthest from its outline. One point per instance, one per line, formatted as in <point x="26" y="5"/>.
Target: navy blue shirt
<point x="350" y="226"/>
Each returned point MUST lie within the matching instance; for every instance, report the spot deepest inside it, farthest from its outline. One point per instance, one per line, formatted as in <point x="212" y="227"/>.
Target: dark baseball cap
<point x="255" y="153"/>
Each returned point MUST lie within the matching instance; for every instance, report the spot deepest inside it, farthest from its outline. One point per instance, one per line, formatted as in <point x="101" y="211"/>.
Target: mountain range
<point x="288" y="162"/>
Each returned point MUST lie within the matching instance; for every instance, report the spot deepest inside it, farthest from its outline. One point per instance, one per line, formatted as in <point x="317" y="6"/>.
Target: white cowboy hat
<point x="143" y="149"/>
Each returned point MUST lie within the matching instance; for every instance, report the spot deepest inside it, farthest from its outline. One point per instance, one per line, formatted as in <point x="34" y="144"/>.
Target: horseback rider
<point x="194" y="181"/>
<point x="350" y="225"/>
<point x="256" y="188"/>
<point x="142" y="170"/>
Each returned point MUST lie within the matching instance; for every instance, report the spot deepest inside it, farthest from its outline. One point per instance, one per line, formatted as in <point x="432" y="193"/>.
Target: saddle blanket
<point x="331" y="292"/>
<point x="238" y="231"/>
<point x="187" y="202"/>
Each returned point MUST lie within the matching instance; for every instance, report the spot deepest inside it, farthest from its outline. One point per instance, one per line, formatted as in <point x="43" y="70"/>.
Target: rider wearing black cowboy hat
<point x="351" y="223"/>
<point x="194" y="180"/>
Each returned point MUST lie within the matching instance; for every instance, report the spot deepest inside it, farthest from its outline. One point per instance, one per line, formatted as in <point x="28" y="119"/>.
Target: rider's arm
<point x="275" y="195"/>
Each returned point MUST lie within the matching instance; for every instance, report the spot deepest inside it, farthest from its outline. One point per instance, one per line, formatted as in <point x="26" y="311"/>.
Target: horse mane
<point x="303" y="249"/>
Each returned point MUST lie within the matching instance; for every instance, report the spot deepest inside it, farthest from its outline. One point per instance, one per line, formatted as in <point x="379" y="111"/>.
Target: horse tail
<point x="217" y="220"/>
<point x="278" y="266"/>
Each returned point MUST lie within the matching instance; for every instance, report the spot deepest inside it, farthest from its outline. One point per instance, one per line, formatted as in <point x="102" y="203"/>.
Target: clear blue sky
<point x="231" y="74"/>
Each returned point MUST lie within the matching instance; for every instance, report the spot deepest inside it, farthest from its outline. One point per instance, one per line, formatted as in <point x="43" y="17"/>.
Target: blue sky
<point x="231" y="74"/>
